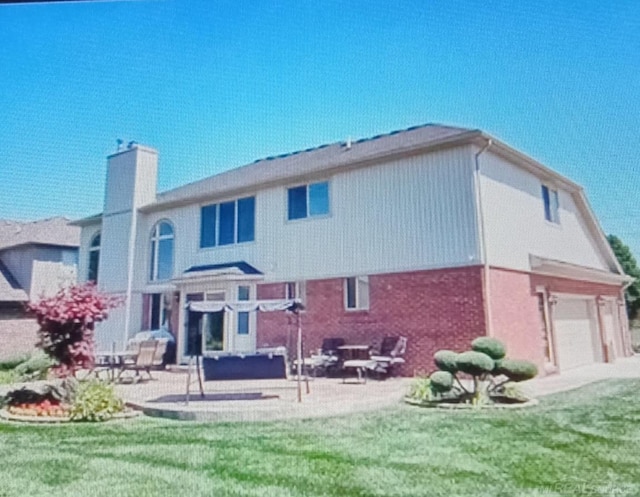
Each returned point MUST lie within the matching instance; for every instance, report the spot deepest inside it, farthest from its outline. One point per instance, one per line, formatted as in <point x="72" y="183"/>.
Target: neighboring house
<point x="36" y="259"/>
<point x="437" y="233"/>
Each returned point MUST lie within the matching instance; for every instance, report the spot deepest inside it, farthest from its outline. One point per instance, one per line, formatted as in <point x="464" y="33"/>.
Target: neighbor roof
<point x="54" y="231"/>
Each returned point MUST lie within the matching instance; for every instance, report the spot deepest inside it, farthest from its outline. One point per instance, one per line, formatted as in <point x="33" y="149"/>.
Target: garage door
<point x="575" y="331"/>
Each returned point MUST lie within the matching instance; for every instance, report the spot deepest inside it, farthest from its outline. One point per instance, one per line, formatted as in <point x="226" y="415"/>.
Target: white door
<point x="575" y="333"/>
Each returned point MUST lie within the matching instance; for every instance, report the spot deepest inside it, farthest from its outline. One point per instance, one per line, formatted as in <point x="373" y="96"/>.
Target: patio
<point x="258" y="400"/>
<point x="264" y="400"/>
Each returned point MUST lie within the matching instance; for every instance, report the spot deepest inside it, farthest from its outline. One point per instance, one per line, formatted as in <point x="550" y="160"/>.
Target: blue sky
<point x="214" y="85"/>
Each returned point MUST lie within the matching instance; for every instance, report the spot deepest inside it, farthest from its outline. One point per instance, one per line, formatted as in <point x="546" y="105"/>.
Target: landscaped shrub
<point x="441" y="381"/>
<point x="445" y="360"/>
<point x="35" y="367"/>
<point x="487" y="366"/>
<point x="95" y="401"/>
<point x="421" y="389"/>
<point x="66" y="324"/>
<point x="12" y="362"/>
<point x="489" y="346"/>
<point x="516" y="370"/>
<point x="475" y="363"/>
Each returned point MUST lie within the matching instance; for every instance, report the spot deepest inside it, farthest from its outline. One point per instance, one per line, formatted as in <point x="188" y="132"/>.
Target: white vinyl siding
<point x="515" y="221"/>
<point x="403" y="215"/>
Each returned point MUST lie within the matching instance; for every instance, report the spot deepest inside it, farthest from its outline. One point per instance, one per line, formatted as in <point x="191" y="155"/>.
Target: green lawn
<point x="585" y="442"/>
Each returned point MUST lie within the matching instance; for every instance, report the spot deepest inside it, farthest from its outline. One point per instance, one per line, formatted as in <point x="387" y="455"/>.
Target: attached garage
<point x="576" y="332"/>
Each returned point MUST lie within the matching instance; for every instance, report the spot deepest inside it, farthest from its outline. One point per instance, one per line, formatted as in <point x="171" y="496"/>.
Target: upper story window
<point x="161" y="267"/>
<point x="356" y="293"/>
<point x="551" y="204"/>
<point x="94" y="258"/>
<point x="308" y="200"/>
<point x="228" y="223"/>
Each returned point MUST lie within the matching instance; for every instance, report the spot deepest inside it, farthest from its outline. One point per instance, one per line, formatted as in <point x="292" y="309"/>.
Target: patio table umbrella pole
<point x="299" y="356"/>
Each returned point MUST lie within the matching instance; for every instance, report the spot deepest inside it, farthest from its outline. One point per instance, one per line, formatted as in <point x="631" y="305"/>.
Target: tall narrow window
<point x="356" y="293"/>
<point x="94" y="258"/>
<point x="208" y="226"/>
<point x="246" y="219"/>
<point x="551" y="204"/>
<point x="243" y="317"/>
<point x="227" y="223"/>
<point x="161" y="267"/>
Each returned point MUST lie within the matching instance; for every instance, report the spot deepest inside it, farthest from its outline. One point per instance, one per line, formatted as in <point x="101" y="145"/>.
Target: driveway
<point x="628" y="367"/>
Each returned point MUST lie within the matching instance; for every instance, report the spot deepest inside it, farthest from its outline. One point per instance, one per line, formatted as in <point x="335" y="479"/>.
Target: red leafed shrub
<point x="67" y="322"/>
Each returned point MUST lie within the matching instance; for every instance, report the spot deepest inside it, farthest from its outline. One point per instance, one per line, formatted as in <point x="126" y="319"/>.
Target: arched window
<point x="161" y="252"/>
<point x="94" y="258"/>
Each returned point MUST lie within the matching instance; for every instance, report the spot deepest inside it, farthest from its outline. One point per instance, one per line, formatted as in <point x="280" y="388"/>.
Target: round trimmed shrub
<point x="490" y="346"/>
<point x="474" y="363"/>
<point x="516" y="370"/>
<point x="441" y="381"/>
<point x="445" y="360"/>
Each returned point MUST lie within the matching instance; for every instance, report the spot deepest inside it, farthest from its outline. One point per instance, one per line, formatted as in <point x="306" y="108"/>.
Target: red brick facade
<point x="515" y="317"/>
<point x="433" y="309"/>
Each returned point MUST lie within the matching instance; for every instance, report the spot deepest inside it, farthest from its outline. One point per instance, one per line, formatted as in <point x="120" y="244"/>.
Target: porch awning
<point x="245" y="305"/>
<point x="239" y="270"/>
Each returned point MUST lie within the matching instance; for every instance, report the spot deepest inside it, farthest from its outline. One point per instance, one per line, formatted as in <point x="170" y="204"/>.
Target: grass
<point x="584" y="442"/>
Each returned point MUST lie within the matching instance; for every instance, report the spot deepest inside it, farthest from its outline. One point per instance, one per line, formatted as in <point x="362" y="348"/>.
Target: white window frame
<point x="299" y="291"/>
<point x="554" y="204"/>
<point x="360" y="282"/>
<point x="308" y="200"/>
<point x="236" y="221"/>
<point x="94" y="248"/>
<point x="156" y="237"/>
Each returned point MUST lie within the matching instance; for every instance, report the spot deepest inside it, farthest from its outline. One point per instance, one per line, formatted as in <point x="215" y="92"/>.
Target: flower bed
<point x="457" y="406"/>
<point x="10" y="416"/>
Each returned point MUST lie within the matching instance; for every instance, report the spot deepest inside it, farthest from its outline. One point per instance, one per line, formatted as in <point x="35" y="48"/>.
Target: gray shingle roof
<point x="53" y="231"/>
<point x="311" y="161"/>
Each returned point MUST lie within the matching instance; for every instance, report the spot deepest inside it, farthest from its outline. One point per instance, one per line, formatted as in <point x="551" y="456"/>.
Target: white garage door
<point x="575" y="331"/>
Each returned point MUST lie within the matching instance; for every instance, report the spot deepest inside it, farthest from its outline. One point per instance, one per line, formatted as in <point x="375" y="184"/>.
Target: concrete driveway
<point x="628" y="367"/>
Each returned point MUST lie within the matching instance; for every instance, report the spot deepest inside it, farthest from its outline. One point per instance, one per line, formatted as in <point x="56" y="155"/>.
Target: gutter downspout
<point x="486" y="287"/>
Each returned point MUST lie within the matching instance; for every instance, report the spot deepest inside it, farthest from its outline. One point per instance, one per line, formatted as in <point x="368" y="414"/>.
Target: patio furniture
<point x="390" y="355"/>
<point x="360" y="366"/>
<point x="144" y="360"/>
<point x="326" y="360"/>
<point x="244" y="367"/>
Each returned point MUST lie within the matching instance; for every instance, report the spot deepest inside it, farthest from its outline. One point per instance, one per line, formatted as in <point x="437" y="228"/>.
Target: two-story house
<point x="437" y="233"/>
<point x="36" y="259"/>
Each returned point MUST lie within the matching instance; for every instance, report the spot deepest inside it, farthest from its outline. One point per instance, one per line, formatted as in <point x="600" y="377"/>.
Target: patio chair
<point x="326" y="360"/>
<point x="144" y="360"/>
<point x="390" y="355"/>
<point x="158" y="357"/>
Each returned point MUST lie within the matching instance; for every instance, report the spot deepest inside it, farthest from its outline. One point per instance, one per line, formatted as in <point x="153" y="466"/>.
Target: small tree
<point x="630" y="267"/>
<point x="484" y="363"/>
<point x="67" y="322"/>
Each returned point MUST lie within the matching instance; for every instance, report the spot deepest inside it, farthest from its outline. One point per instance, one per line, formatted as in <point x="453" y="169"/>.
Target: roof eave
<point x="343" y="164"/>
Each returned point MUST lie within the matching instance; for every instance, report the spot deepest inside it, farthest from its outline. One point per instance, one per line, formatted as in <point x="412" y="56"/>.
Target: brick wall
<point x="433" y="309"/>
<point x="514" y="308"/>
<point x="515" y="317"/>
<point x="17" y="337"/>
